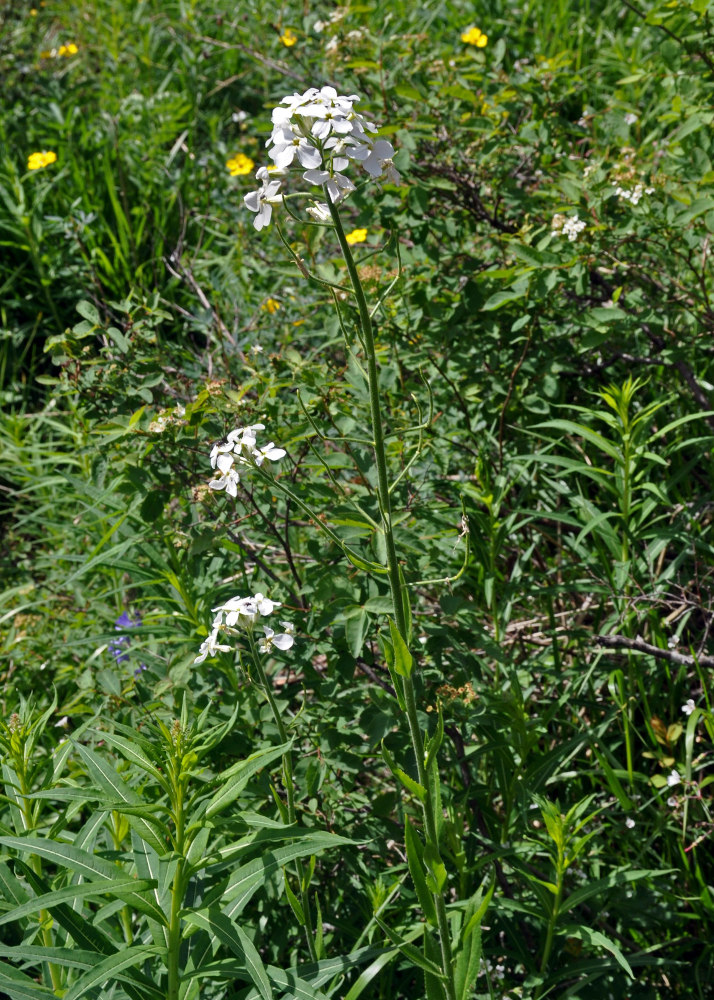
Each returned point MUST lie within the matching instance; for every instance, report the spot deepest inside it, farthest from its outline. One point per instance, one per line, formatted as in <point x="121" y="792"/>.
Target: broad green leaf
<point x="403" y="660"/>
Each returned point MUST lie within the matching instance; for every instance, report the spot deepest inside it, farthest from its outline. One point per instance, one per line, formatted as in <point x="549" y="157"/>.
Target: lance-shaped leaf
<point x="237" y="777"/>
<point x="148" y="828"/>
<point x="234" y="937"/>
<point x="110" y="969"/>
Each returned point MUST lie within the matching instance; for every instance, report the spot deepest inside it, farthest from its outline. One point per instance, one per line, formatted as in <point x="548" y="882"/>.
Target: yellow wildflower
<point x="288" y="37"/>
<point x="240" y="164"/>
<point x="474" y="36"/>
<point x="270" y="305"/>
<point x="36" y="161"/>
<point x="356" y="236"/>
<point x="33" y="12"/>
<point x="68" y="50"/>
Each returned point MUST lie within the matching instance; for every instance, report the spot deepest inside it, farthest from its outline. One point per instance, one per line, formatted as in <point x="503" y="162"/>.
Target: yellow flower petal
<point x="474" y="36"/>
<point x="36" y="161"/>
<point x="356" y="236"/>
<point x="288" y="37"/>
<point x="270" y="305"/>
<point x="239" y="164"/>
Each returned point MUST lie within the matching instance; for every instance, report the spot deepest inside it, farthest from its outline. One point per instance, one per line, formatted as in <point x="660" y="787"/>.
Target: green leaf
<point x="468" y="953"/>
<point x="586" y="892"/>
<point x="415" y="854"/>
<point x="108" y="779"/>
<point x="409" y="951"/>
<point x="409" y="783"/>
<point x="88" y="865"/>
<point x="112" y="968"/>
<point x="18" y="986"/>
<point x="237" y="777"/>
<point x="247" y="879"/>
<point x="403" y="660"/>
<point x="86" y="890"/>
<point x="235" y="938"/>
<point x="436" y="877"/>
<point x="596" y="939"/>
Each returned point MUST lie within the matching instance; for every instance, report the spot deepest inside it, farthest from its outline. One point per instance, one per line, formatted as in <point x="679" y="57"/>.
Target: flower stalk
<point x="400" y="596"/>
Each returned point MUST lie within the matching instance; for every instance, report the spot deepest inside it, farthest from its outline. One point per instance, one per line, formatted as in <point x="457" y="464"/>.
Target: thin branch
<point x="640" y="646"/>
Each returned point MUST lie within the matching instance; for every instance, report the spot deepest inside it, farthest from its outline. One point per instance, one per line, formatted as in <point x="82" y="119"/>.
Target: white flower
<point x="289" y="627"/>
<point x="238" y="610"/>
<point x="629" y="823"/>
<point x="210" y="646"/>
<point x="572" y="226"/>
<point x="320" y="211"/>
<point x="630" y="118"/>
<point x="338" y="186"/>
<point x="689" y="707"/>
<point x="62" y="723"/>
<point x="281" y="641"/>
<point x="264" y="605"/>
<point x="228" y="481"/>
<point x="262" y="200"/>
<point x="673" y="779"/>
<point x="672" y="802"/>
<point x="270" y="452"/>
<point x="377" y="160"/>
<point x="288" y="145"/>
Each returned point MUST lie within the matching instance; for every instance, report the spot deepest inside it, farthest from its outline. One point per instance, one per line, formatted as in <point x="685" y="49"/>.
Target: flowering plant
<point x="320" y="131"/>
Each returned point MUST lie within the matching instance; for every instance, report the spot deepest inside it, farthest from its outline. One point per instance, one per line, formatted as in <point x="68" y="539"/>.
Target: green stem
<point x="289" y="783"/>
<point x="552" y="921"/>
<point x="177" y="890"/>
<point x="399" y="598"/>
<point x="36" y="863"/>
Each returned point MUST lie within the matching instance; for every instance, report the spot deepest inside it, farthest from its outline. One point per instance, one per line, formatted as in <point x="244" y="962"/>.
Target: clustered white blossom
<point x="320" y="132"/>
<point x="164" y="419"/>
<point x="634" y="195"/>
<point x="242" y="613"/>
<point x="239" y="447"/>
<point x="569" y="226"/>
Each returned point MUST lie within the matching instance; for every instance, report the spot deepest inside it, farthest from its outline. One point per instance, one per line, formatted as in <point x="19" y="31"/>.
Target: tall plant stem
<point x="177" y="894"/>
<point x="399" y="595"/>
<point x="289" y="783"/>
<point x="36" y="863"/>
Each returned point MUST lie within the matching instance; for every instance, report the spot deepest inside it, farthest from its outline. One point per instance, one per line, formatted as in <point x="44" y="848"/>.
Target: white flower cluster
<point x="242" y="613"/>
<point x="240" y="446"/>
<point x="633" y="195"/>
<point x="568" y="226"/>
<point x="164" y="419"/>
<point x="320" y="131"/>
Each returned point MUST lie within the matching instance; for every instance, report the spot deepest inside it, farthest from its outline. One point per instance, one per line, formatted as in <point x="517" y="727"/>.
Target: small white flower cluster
<point x="634" y="195"/>
<point x="240" y="446"/>
<point x="498" y="971"/>
<point x="629" y="118"/>
<point x="322" y="132"/>
<point x="568" y="226"/>
<point x="164" y="418"/>
<point x="242" y="613"/>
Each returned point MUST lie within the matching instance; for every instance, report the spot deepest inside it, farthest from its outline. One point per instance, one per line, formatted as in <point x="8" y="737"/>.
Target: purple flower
<point x="117" y="646"/>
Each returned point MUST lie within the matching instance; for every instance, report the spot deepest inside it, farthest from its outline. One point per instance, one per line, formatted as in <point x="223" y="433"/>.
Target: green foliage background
<point x="555" y="525"/>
